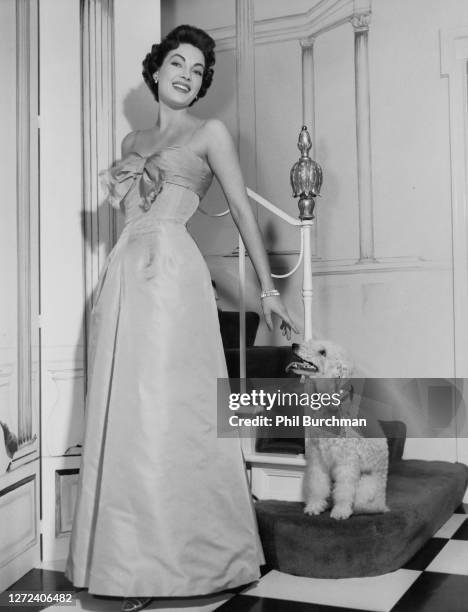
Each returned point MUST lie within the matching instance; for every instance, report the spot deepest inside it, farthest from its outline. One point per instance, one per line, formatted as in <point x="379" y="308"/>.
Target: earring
<point x="155" y="78"/>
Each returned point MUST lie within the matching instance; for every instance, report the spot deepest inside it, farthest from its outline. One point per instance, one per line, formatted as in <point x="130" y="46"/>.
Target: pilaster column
<point x="26" y="133"/>
<point x="98" y="137"/>
<point x="98" y="132"/>
<point x="245" y="64"/>
<point x="360" y="24"/>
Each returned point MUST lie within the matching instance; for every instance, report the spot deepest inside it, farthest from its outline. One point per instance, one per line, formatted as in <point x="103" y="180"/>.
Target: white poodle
<point x="341" y="464"/>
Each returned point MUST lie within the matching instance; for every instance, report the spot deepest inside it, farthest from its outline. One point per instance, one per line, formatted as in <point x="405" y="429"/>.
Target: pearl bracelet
<point x="269" y="293"/>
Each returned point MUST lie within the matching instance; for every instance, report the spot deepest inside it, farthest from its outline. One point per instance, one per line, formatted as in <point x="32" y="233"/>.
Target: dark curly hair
<point x="182" y="34"/>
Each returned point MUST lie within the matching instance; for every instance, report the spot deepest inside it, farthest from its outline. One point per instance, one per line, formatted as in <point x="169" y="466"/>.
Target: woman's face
<point x="180" y="76"/>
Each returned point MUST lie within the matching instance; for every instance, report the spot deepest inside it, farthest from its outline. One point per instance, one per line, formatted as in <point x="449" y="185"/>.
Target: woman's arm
<point x="223" y="159"/>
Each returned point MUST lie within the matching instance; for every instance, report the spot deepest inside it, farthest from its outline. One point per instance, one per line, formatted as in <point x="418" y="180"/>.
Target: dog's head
<point x="322" y="366"/>
<point x="320" y="358"/>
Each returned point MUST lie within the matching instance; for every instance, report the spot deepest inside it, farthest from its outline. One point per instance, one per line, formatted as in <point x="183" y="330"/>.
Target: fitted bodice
<point x="167" y="185"/>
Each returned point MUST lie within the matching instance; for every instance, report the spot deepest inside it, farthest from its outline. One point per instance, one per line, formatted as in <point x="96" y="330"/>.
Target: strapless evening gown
<point x="163" y="506"/>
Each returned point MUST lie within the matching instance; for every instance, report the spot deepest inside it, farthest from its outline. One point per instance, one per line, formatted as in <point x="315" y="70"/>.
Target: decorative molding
<point x="29" y="451"/>
<point x="321" y="18"/>
<point x="66" y="489"/>
<point x="59" y="479"/>
<point x="63" y="417"/>
<point x="19" y="501"/>
<point x="98" y="102"/>
<point x="225" y="37"/>
<point x="324" y="267"/>
<point x="454" y="66"/>
<point x="66" y="373"/>
<point x="383" y="265"/>
<point x="270" y="459"/>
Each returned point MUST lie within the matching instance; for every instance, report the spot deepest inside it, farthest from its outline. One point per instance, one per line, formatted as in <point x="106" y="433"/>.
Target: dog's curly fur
<point x="350" y="469"/>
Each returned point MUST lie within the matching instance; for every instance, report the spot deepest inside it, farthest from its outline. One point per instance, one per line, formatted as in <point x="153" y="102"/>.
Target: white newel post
<point x="307" y="288"/>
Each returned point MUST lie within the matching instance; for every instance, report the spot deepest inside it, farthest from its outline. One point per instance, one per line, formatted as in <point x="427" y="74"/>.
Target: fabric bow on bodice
<point x="177" y="165"/>
<point x="123" y="175"/>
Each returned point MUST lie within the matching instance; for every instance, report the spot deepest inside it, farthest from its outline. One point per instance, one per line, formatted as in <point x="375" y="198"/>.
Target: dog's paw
<point x="341" y="511"/>
<point x="316" y="507"/>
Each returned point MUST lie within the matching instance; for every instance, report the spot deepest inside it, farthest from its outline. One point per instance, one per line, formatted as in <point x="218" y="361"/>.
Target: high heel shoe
<point x="133" y="604"/>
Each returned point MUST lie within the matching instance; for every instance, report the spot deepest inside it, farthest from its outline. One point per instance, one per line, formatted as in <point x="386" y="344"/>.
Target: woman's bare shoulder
<point x="216" y="127"/>
<point x="218" y="138"/>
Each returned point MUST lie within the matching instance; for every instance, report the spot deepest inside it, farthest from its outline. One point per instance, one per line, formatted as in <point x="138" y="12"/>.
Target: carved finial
<point x="305" y="176"/>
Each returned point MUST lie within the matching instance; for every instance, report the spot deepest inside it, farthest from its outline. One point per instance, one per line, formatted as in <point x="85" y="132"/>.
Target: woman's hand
<point x="274" y="304"/>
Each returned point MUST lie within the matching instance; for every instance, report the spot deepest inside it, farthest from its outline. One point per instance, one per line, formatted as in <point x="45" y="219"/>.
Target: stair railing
<point x="304" y="256"/>
<point x="305" y="226"/>
<point x="306" y="181"/>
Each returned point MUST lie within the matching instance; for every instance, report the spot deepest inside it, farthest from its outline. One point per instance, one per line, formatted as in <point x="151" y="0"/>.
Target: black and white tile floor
<point x="434" y="580"/>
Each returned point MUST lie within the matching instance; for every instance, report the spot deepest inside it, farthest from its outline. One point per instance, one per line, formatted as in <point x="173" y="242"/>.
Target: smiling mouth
<point x="181" y="87"/>
<point x="302" y="365"/>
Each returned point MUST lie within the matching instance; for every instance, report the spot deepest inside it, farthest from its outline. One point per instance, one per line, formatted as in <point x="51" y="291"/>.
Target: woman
<point x="163" y="505"/>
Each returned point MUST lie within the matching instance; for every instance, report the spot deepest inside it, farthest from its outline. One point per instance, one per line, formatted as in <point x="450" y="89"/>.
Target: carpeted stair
<point x="421" y="495"/>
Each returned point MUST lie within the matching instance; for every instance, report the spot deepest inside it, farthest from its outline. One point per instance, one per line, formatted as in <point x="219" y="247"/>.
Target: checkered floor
<point x="434" y="580"/>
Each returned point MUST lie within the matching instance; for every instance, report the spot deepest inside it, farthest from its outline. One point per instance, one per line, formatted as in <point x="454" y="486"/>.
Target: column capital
<point x="361" y="22"/>
<point x="307" y="43"/>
